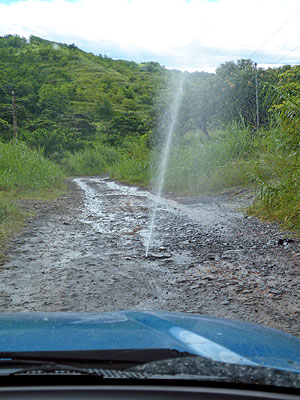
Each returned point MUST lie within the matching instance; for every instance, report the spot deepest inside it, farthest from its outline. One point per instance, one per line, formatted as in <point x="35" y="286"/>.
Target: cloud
<point x="178" y="33"/>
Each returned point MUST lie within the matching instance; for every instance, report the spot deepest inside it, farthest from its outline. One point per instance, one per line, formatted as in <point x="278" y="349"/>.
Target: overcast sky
<point x="183" y="34"/>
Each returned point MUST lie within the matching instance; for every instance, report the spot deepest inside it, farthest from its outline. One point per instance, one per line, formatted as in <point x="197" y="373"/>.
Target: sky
<point x="192" y="35"/>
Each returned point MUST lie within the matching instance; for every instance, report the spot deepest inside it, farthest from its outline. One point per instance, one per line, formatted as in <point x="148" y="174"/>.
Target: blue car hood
<point x="214" y="338"/>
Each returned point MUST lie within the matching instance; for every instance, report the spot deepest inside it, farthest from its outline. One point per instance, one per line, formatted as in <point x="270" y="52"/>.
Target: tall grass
<point x="129" y="162"/>
<point x="24" y="169"/>
<point x="7" y="209"/>
<point x="134" y="163"/>
<point x="90" y="161"/>
<point x="230" y="159"/>
<point x="278" y="198"/>
<point x="10" y="222"/>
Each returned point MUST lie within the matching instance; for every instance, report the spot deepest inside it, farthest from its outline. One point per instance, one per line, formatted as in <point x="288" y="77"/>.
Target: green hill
<point x="66" y="97"/>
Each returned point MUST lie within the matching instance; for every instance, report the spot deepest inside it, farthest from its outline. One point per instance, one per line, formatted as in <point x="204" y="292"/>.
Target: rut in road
<point x="86" y="252"/>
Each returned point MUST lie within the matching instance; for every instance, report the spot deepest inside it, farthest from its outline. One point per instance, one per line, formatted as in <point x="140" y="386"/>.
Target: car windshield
<point x="149" y="183"/>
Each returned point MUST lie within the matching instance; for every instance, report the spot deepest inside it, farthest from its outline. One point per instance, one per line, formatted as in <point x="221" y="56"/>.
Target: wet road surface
<point x="86" y="252"/>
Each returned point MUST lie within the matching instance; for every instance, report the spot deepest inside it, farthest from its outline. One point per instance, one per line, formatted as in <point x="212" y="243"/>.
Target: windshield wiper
<point x="134" y="356"/>
<point x="88" y="362"/>
<point x="43" y="367"/>
<point x="194" y="368"/>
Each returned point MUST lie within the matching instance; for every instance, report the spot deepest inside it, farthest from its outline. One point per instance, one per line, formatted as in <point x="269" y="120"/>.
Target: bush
<point x="25" y="169"/>
<point x="134" y="163"/>
<point x="53" y="142"/>
<point x="279" y="199"/>
<point x="90" y="161"/>
<point x="196" y="166"/>
<point x="129" y="162"/>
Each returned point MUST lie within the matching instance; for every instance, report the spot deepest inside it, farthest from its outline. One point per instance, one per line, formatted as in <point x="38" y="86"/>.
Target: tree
<point x="104" y="109"/>
<point x="53" y="98"/>
<point x="124" y="125"/>
<point x="235" y="84"/>
<point x="13" y="41"/>
<point x="80" y="125"/>
<point x="5" y="131"/>
<point x="197" y="106"/>
<point x="287" y="107"/>
<point x="53" y="142"/>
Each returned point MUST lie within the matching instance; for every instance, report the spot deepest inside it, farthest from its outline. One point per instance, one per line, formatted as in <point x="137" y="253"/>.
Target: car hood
<point x="217" y="339"/>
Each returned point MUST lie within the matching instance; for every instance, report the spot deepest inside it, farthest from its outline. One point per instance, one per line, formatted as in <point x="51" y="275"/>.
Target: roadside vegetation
<point x="24" y="173"/>
<point x="95" y="161"/>
<point x="11" y="220"/>
<point x="26" y="170"/>
<point x="82" y="114"/>
<point x="232" y="158"/>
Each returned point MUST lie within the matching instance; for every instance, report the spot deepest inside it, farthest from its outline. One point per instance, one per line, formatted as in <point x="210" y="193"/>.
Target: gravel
<point x="85" y="251"/>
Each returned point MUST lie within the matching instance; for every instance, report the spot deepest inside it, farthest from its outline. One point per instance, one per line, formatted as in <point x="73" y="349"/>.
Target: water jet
<point x="168" y="133"/>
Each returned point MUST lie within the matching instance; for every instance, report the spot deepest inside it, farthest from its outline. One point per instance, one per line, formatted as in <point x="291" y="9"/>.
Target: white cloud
<point x="190" y="35"/>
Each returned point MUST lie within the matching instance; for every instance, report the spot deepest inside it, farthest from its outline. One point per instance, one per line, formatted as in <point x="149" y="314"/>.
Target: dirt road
<point x="86" y="252"/>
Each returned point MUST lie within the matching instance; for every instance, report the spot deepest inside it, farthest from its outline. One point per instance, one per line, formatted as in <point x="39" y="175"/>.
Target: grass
<point x="129" y="163"/>
<point x="90" y="161"/>
<point x="231" y="159"/>
<point x="24" y="173"/>
<point x="237" y="158"/>
<point x="279" y="199"/>
<point x="11" y="220"/>
<point x="22" y="169"/>
<point x="134" y="164"/>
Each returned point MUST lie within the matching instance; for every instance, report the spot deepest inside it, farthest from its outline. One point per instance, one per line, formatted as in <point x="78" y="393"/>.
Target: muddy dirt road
<point x="86" y="252"/>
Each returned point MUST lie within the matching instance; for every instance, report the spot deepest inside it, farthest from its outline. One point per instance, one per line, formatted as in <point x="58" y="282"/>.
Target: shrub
<point x="25" y="169"/>
<point x="90" y="161"/>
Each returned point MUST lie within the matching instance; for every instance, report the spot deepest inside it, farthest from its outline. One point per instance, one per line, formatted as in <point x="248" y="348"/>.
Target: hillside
<point x="62" y="91"/>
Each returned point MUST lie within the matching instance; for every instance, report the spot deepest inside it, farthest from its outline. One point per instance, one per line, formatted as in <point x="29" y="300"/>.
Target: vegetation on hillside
<point x="91" y="115"/>
<point x="67" y="99"/>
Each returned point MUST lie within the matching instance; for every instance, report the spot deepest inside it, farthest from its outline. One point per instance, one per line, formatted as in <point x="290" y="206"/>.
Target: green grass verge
<point x="279" y="199"/>
<point x="128" y="163"/>
<point x="134" y="163"/>
<point x="24" y="174"/>
<point x="231" y="159"/>
<point x="11" y="220"/>
<point x="23" y="169"/>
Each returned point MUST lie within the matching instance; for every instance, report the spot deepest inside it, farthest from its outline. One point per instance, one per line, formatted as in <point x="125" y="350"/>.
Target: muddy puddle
<point x="86" y="252"/>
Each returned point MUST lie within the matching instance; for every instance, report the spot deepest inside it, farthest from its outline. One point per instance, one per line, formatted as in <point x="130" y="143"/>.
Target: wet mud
<point x="86" y="252"/>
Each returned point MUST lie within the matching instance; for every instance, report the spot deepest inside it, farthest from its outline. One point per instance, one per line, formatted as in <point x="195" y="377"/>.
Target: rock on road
<point x="86" y="252"/>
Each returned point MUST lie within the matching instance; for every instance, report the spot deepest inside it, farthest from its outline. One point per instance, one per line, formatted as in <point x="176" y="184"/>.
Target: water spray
<point x="164" y="157"/>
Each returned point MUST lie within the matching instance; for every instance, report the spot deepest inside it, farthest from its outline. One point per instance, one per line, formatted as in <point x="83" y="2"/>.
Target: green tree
<point x="287" y="107"/>
<point x="54" y="143"/>
<point x="236" y="98"/>
<point x="281" y="197"/>
<point x="124" y="125"/>
<point x="104" y="109"/>
<point x="13" y="41"/>
<point x="53" y="98"/>
<point x="197" y="109"/>
<point x="5" y="131"/>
